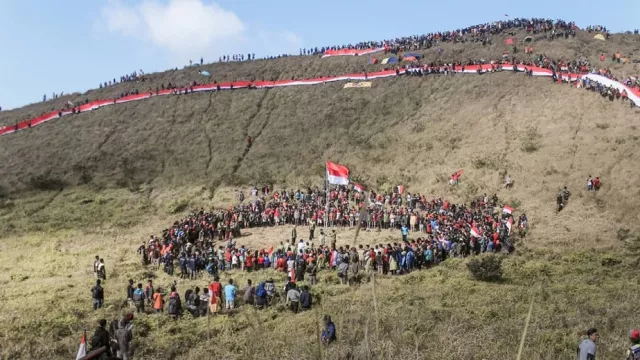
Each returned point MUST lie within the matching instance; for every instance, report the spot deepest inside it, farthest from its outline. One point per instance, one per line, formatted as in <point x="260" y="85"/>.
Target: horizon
<point x="115" y="38"/>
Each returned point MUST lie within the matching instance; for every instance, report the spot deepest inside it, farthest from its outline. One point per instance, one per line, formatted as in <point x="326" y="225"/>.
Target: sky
<point x="73" y="45"/>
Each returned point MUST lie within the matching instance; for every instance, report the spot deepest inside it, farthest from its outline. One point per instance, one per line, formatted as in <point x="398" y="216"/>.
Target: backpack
<point x="174" y="305"/>
<point x="138" y="295"/>
<point x="260" y="291"/>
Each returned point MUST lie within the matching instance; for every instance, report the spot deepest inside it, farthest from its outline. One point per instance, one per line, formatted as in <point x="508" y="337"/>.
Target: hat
<point x="635" y="334"/>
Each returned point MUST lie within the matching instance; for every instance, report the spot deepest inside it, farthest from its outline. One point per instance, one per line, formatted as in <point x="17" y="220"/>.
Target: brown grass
<point x="101" y="182"/>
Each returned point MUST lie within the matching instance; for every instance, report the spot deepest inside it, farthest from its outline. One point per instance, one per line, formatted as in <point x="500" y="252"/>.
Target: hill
<point x="102" y="182"/>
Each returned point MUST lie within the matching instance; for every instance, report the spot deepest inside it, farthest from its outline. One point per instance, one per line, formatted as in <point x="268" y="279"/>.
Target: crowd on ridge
<point x="476" y="33"/>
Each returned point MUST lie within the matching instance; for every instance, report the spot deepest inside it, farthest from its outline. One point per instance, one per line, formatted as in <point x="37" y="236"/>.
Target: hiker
<point x="248" y="293"/>
<point x="102" y="272"/>
<point x="261" y="296"/>
<point x="96" y="262"/>
<point x="405" y="233"/>
<point x="124" y="337"/>
<point x="312" y="228"/>
<point x="215" y="289"/>
<point x="101" y="338"/>
<point x="193" y="301"/>
<point x="294" y="235"/>
<point x="148" y="292"/>
<point x="633" y="352"/>
<point x="230" y="295"/>
<point x="174" y="308"/>
<point x="305" y="298"/>
<point x="587" y="347"/>
<point x="293" y="298"/>
<point x="312" y="270"/>
<point x="329" y="331"/>
<point x="130" y="290"/>
<point x="508" y="183"/>
<point x="158" y="301"/>
<point x="203" y="307"/>
<point x="138" y="298"/>
<point x="97" y="293"/>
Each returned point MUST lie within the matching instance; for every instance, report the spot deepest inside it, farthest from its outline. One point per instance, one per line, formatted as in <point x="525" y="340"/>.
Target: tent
<point x="599" y="37"/>
<point x="528" y="39"/>
<point x="390" y="60"/>
<point x="409" y="58"/>
<point x="204" y="73"/>
<point x="373" y="61"/>
<point x="415" y="55"/>
<point x="509" y="41"/>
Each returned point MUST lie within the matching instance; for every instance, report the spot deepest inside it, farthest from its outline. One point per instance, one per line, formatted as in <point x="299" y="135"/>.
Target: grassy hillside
<point x="102" y="182"/>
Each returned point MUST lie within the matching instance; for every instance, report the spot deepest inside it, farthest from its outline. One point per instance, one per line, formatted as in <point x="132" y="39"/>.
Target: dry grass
<point x="128" y="171"/>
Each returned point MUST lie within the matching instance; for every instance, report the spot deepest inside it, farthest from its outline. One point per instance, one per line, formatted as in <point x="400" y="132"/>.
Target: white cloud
<point x="186" y="27"/>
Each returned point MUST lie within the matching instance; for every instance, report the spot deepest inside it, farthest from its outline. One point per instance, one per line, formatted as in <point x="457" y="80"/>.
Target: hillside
<point x="103" y="181"/>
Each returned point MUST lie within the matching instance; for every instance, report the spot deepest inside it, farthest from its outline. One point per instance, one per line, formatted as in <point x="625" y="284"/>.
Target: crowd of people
<point x="476" y="33"/>
<point x="135" y="76"/>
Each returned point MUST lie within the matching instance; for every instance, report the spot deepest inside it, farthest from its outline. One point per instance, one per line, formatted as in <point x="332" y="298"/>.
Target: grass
<point x="102" y="182"/>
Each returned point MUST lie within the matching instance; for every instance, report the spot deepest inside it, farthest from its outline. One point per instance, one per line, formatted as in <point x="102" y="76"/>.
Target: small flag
<point x="82" y="350"/>
<point x="337" y="174"/>
<point x="358" y="187"/>
<point x="510" y="224"/>
<point x="400" y="189"/>
<point x="507" y="210"/>
<point x="474" y="231"/>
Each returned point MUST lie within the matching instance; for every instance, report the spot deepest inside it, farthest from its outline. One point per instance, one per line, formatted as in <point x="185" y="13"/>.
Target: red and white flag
<point x="400" y="189"/>
<point x="507" y="209"/>
<point x="337" y="174"/>
<point x="474" y="231"/>
<point x="82" y="350"/>
<point x="358" y="187"/>
<point x="510" y="224"/>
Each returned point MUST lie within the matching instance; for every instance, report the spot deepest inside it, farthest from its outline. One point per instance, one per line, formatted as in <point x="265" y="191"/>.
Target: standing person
<point x="101" y="338"/>
<point x="293" y="297"/>
<point x="96" y="262"/>
<point x="97" y="293"/>
<point x="312" y="270"/>
<point x="203" y="307"/>
<point x="248" y="293"/>
<point x="215" y="288"/>
<point x="633" y="352"/>
<point x="158" y="301"/>
<point x="148" y="292"/>
<point x="230" y="295"/>
<point x="124" y="337"/>
<point x="175" y="304"/>
<point x="130" y="290"/>
<point x="294" y="235"/>
<point x="334" y="239"/>
<point x="587" y="348"/>
<point x="138" y="298"/>
<point x="305" y="298"/>
<point x="405" y="232"/>
<point x="312" y="228"/>
<point x="102" y="272"/>
<point x="329" y="331"/>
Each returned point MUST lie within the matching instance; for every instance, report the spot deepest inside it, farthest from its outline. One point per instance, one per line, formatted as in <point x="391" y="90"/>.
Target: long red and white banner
<point x="632" y="93"/>
<point x="351" y="52"/>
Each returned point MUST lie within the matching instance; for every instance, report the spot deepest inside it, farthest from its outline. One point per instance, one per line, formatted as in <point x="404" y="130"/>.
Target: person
<point x="193" y="302"/>
<point x="101" y="338"/>
<point x="230" y="295"/>
<point x="293" y="297"/>
<point x="334" y="238"/>
<point x="294" y="235"/>
<point x="261" y="295"/>
<point x="130" y="290"/>
<point x="305" y="298"/>
<point x="139" y="298"/>
<point x="312" y="270"/>
<point x="175" y="304"/>
<point x="158" y="301"/>
<point x="124" y="336"/>
<point x="587" y="348"/>
<point x="508" y="183"/>
<point x="148" y="292"/>
<point x="102" y="272"/>
<point x="248" y="292"/>
<point x="405" y="233"/>
<point x="96" y="262"/>
<point x="215" y="288"/>
<point x="203" y="307"/>
<point x="329" y="331"/>
<point x="312" y="228"/>
<point x="633" y="353"/>
<point x="97" y="293"/>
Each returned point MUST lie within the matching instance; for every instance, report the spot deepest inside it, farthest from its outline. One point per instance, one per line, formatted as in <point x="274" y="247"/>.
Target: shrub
<point x="46" y="183"/>
<point x="486" y="268"/>
<point x="177" y="206"/>
<point x="602" y="126"/>
<point x="530" y="141"/>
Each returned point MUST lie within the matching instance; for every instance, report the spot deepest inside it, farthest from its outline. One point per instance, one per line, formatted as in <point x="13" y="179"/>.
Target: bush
<point x="46" y="183"/>
<point x="486" y="268"/>
<point x="530" y="141"/>
<point x="177" y="206"/>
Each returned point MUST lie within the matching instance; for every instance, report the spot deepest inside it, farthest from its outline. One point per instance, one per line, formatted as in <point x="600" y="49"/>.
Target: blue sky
<point x="72" y="45"/>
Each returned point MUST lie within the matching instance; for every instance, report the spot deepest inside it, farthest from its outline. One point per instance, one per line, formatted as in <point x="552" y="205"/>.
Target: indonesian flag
<point x="337" y="174"/>
<point x="358" y="187"/>
<point x="510" y="224"/>
<point x="474" y="231"/>
<point x="400" y="189"/>
<point x="82" y="350"/>
<point x="507" y="210"/>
